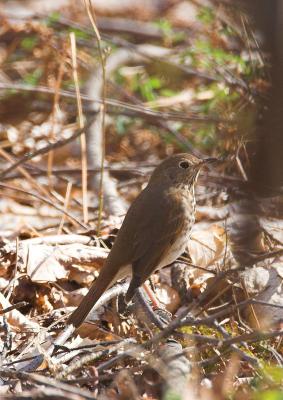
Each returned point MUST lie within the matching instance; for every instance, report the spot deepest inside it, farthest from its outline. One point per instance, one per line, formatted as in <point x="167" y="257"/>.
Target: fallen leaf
<point x="278" y="265"/>
<point x="274" y="227"/>
<point x="168" y="296"/>
<point x="207" y="246"/>
<point x="74" y="297"/>
<point x="16" y="318"/>
<point x="255" y="279"/>
<point x="267" y="284"/>
<point x="43" y="264"/>
<point x="81" y="275"/>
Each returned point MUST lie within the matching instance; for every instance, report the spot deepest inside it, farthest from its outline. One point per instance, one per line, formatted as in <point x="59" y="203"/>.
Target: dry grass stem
<point x="81" y="125"/>
<point x="55" y="109"/>
<point x="66" y="205"/>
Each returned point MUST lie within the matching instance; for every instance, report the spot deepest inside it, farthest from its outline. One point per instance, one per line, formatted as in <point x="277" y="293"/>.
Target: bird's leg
<point x="159" y="309"/>
<point x="148" y="315"/>
<point x="150" y="294"/>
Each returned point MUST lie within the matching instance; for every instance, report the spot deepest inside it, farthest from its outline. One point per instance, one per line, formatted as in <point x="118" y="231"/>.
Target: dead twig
<point x="132" y="110"/>
<point x="14" y="307"/>
<point x="81" y="125"/>
<point x="46" y="381"/>
<point x="46" y="201"/>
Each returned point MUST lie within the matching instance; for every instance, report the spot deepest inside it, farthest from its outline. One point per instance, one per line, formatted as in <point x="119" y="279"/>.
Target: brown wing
<point x="149" y="229"/>
<point x="156" y="230"/>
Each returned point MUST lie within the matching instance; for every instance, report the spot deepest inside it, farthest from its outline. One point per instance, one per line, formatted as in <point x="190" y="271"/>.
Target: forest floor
<point x="127" y="84"/>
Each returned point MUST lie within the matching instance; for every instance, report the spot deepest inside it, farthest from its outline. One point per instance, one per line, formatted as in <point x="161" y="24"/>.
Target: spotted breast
<point x="187" y="206"/>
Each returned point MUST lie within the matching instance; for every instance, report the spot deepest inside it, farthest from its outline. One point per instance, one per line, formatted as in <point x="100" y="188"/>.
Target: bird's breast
<point x="184" y="197"/>
<point x="186" y="205"/>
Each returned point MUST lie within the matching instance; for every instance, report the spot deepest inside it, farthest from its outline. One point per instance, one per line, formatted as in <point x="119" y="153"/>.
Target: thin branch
<point x="14" y="307"/>
<point x="78" y="364"/>
<point x="46" y="381"/>
<point x="44" y="200"/>
<point x="133" y="110"/>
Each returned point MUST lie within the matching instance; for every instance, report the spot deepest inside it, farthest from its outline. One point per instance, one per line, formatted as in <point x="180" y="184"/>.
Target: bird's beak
<point x="209" y="160"/>
<point x="206" y="161"/>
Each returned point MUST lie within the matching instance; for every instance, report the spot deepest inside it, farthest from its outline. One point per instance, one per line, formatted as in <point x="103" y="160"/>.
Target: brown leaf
<point x="207" y="246"/>
<point x="274" y="227"/>
<point x="168" y="296"/>
<point x="43" y="264"/>
<point x="16" y="318"/>
<point x="267" y="284"/>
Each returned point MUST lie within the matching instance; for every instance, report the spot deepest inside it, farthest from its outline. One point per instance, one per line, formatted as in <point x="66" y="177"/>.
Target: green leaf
<point x="155" y="83"/>
<point x="79" y="33"/>
<point x="168" y="92"/>
<point x="165" y="26"/>
<point x="274" y="372"/>
<point x="171" y="395"/>
<point x="122" y="124"/>
<point x="33" y="77"/>
<point x="53" y="17"/>
<point x="269" y="395"/>
<point x="29" y="43"/>
<point x="206" y="15"/>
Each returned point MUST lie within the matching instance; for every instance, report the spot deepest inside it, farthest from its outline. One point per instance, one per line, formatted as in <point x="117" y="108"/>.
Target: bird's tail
<point x="105" y="279"/>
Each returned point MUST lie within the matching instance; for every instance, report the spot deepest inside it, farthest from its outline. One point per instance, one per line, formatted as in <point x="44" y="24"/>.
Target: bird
<point x="154" y="232"/>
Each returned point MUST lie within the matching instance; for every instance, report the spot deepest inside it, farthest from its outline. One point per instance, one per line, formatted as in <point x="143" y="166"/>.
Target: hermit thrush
<point x="154" y="233"/>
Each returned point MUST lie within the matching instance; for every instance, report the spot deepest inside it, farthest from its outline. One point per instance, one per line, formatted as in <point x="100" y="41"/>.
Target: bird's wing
<point x="156" y="230"/>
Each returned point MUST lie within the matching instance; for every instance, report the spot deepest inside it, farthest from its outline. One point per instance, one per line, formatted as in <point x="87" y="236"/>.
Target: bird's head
<point x="179" y="169"/>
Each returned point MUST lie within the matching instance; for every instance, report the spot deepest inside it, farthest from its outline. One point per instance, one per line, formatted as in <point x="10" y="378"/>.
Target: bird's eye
<point x="184" y="164"/>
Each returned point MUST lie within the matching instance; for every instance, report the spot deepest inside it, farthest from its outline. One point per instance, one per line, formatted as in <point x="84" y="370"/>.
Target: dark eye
<point x="184" y="164"/>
